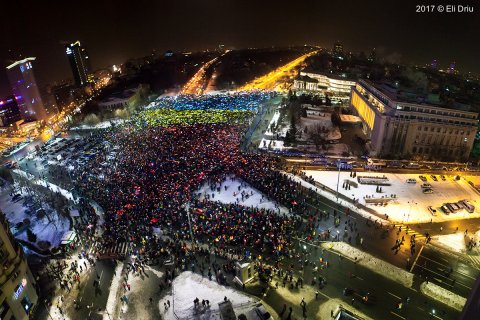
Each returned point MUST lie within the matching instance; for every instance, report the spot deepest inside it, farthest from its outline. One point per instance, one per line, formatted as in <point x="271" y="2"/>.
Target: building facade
<point x="80" y="63"/>
<point x="9" y="112"/>
<point x="335" y="86"/>
<point x="408" y="128"/>
<point x="25" y="89"/>
<point x="18" y="294"/>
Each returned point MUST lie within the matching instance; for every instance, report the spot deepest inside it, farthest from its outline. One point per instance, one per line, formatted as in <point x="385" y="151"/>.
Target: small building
<point x="126" y="99"/>
<point x="244" y="272"/>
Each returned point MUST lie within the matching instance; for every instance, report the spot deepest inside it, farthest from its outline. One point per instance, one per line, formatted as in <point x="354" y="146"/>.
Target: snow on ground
<point x="268" y="138"/>
<point x="51" y="186"/>
<point x="370" y="262"/>
<point x="188" y="286"/>
<point x="411" y="204"/>
<point x="45" y="230"/>
<point x="227" y="196"/>
<point x="142" y="287"/>
<point x="113" y="292"/>
<point x="332" y="197"/>
<point x="454" y="241"/>
<point x="101" y="125"/>
<point x="443" y="295"/>
<point x="333" y="304"/>
<point x="458" y="241"/>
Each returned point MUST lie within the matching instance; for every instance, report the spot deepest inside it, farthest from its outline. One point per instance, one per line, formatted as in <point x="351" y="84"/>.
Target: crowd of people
<point x="246" y="101"/>
<point x="155" y="177"/>
<point x="169" y="117"/>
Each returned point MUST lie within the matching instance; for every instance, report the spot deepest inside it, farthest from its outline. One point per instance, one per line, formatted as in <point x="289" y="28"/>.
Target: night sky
<point x="114" y="32"/>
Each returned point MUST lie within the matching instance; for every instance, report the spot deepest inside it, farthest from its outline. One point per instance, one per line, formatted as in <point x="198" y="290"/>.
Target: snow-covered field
<point x="51" y="186"/>
<point x="332" y="197"/>
<point x="45" y="230"/>
<point x="457" y="241"/>
<point x="188" y="286"/>
<point x="370" y="262"/>
<point x="443" y="295"/>
<point x="411" y="204"/>
<point x="233" y="184"/>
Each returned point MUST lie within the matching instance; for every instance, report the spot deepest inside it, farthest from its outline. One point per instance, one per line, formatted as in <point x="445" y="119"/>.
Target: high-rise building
<point x="25" y="89"/>
<point x="338" y="49"/>
<point x="18" y="295"/>
<point x="80" y="63"/>
<point x="9" y="111"/>
<point x="451" y="68"/>
<point x="434" y="64"/>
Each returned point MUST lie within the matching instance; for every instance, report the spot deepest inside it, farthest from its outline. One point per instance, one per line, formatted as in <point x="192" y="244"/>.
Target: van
<point x="412" y="181"/>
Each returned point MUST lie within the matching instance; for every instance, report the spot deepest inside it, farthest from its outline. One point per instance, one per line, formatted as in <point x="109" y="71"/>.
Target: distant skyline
<point x="113" y="32"/>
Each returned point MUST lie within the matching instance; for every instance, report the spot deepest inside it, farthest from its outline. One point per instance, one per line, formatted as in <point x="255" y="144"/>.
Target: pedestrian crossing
<point x="418" y="236"/>
<point x="118" y="249"/>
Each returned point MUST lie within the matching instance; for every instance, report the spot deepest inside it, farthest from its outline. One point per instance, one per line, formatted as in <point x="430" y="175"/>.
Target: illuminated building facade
<point x="401" y="126"/>
<point x="25" y="89"/>
<point x="18" y="295"/>
<point x="80" y="63"/>
<point x="9" y="111"/>
<point x="338" y="87"/>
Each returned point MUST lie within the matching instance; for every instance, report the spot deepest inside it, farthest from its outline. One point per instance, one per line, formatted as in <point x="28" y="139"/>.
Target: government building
<point x="18" y="295"/>
<point x="401" y="124"/>
<point x="337" y="87"/>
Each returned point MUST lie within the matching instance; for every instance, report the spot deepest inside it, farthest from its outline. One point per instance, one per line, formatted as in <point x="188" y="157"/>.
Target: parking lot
<point x="68" y="153"/>
<point x="408" y="201"/>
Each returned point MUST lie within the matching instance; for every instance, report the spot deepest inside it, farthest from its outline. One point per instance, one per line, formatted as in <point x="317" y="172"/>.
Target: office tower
<point x="25" y="89"/>
<point x="338" y="49"/>
<point x="80" y="63"/>
<point x="9" y="111"/>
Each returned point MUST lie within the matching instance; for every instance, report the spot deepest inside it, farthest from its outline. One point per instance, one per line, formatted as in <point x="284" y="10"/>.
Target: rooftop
<point x="398" y="93"/>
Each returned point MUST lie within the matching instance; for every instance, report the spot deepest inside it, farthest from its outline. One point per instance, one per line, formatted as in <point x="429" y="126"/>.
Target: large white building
<point x="402" y="124"/>
<point x="337" y="87"/>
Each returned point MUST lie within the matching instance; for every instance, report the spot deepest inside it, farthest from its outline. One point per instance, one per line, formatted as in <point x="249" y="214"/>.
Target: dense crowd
<point x="169" y="117"/>
<point x="155" y="178"/>
<point x="246" y="101"/>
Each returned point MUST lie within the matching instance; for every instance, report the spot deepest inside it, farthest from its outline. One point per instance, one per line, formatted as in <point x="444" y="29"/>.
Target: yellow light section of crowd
<point x="363" y="109"/>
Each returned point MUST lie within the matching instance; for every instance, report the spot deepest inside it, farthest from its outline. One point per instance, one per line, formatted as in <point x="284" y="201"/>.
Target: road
<point x="385" y="294"/>
<point x="379" y="242"/>
<point x="93" y="300"/>
<point x="271" y="80"/>
<point x="198" y="83"/>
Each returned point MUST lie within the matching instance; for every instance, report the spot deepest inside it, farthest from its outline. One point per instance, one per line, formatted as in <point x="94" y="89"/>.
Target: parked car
<point x="412" y="181"/>
<point x="434" y="177"/>
<point x="262" y="313"/>
<point x="445" y="209"/>
<point x="432" y="211"/>
<point x="443" y="178"/>
<point x="427" y="191"/>
<point x="423" y="178"/>
<point x="426" y="186"/>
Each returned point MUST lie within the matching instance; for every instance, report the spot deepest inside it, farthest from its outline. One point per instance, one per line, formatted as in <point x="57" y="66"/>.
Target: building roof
<point x="306" y="79"/>
<point x="407" y="95"/>
<point x="120" y="96"/>
<point x="16" y="63"/>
